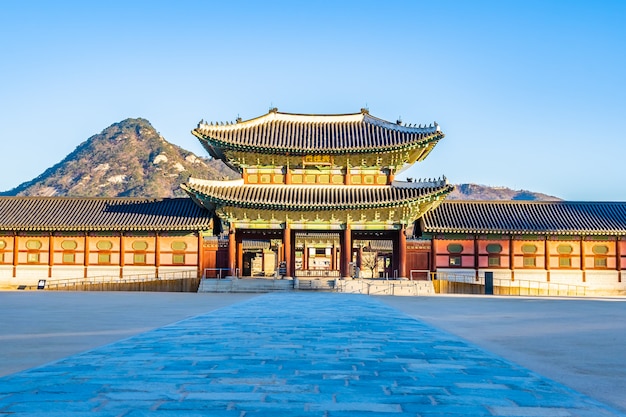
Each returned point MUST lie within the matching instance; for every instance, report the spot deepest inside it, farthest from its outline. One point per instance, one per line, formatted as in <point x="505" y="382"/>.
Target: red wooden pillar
<point x="402" y="252"/>
<point x="50" y="255"/>
<point x="122" y="254"/>
<point x="346" y="252"/>
<point x="582" y="258"/>
<point x="511" y="258"/>
<point x="157" y="253"/>
<point x="476" y="257"/>
<point x="618" y="255"/>
<point x="86" y="255"/>
<point x="433" y="257"/>
<point x="240" y="256"/>
<point x="287" y="174"/>
<point x="232" y="250"/>
<point x="201" y="255"/>
<point x="15" y="254"/>
<point x="288" y="249"/>
<point x="547" y="259"/>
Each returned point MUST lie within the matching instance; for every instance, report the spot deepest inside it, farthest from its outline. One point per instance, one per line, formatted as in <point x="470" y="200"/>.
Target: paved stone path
<point x="291" y="355"/>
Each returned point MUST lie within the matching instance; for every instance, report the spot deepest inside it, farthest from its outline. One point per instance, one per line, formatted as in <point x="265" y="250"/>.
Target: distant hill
<point x="131" y="159"/>
<point x="128" y="159"/>
<point x="484" y="192"/>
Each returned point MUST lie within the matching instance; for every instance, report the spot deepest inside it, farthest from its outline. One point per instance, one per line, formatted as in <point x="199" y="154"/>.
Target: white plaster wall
<point x="6" y="271"/>
<point x="30" y="275"/>
<point x="531" y="275"/>
<point x="61" y="272"/>
<point x="604" y="280"/>
<point x="103" y="271"/>
<point x="6" y="277"/>
<point x="139" y="270"/>
<point x="566" y="277"/>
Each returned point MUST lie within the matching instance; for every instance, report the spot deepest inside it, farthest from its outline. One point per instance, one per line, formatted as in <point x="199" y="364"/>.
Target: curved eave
<point x="218" y="147"/>
<point x="220" y="202"/>
<point x="103" y="228"/>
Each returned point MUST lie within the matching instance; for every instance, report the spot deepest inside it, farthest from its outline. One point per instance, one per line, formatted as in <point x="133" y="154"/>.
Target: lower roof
<point x="526" y="217"/>
<point x="101" y="214"/>
<point x="182" y="214"/>
<point x="310" y="197"/>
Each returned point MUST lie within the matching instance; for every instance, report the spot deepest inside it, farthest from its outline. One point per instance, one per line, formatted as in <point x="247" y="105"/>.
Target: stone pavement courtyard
<point x="292" y="354"/>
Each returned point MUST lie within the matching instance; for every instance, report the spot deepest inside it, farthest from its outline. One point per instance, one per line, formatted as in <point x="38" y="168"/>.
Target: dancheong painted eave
<point x="302" y="134"/>
<point x="525" y="217"/>
<point x="311" y="197"/>
<point x="101" y="214"/>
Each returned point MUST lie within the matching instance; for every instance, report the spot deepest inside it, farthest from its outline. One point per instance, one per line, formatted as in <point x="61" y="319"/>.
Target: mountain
<point x="128" y="159"/>
<point x="484" y="192"/>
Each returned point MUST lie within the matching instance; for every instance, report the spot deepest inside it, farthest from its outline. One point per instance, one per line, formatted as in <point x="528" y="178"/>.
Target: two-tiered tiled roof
<point x="311" y="197"/>
<point x="301" y="134"/>
<point x="106" y="214"/>
<point x="524" y="217"/>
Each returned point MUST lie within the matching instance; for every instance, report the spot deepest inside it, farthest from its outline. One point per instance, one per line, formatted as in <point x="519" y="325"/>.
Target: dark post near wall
<point x="488" y="283"/>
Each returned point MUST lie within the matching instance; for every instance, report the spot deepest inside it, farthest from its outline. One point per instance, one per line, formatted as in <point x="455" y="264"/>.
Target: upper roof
<point x="101" y="214"/>
<point x="525" y="217"/>
<point x="301" y="134"/>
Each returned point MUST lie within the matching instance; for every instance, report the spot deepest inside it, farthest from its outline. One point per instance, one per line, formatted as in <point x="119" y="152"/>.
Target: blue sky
<point x="531" y="94"/>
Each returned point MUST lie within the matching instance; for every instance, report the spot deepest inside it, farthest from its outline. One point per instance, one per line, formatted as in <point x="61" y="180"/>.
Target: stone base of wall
<point x="245" y="285"/>
<point x="533" y="282"/>
<point x="386" y="287"/>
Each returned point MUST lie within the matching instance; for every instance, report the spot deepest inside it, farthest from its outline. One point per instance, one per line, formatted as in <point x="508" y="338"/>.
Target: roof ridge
<point x="275" y="115"/>
<point x="532" y="202"/>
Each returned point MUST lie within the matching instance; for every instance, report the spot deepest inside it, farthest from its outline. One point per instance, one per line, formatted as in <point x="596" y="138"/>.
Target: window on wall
<point x="600" y="253"/>
<point x="530" y="255"/>
<point x="33" y="246"/>
<point x="178" y="257"/>
<point x="565" y="255"/>
<point x="104" y="252"/>
<point x="139" y="257"/>
<point x="494" y="250"/>
<point x="455" y="249"/>
<point x="3" y="246"/>
<point x="69" y="251"/>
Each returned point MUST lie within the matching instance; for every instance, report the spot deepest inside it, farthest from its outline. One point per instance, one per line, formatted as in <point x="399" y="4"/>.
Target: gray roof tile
<point x="111" y="214"/>
<point x="300" y="134"/>
<point x="517" y="217"/>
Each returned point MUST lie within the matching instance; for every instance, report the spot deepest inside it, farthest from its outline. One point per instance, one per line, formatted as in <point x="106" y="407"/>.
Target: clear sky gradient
<point x="530" y="94"/>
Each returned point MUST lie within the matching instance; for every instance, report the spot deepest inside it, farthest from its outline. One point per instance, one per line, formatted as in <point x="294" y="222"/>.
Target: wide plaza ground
<point x="577" y="342"/>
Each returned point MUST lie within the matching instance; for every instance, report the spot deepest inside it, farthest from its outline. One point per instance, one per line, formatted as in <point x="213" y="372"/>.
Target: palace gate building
<point x="318" y="198"/>
<point x="318" y="194"/>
